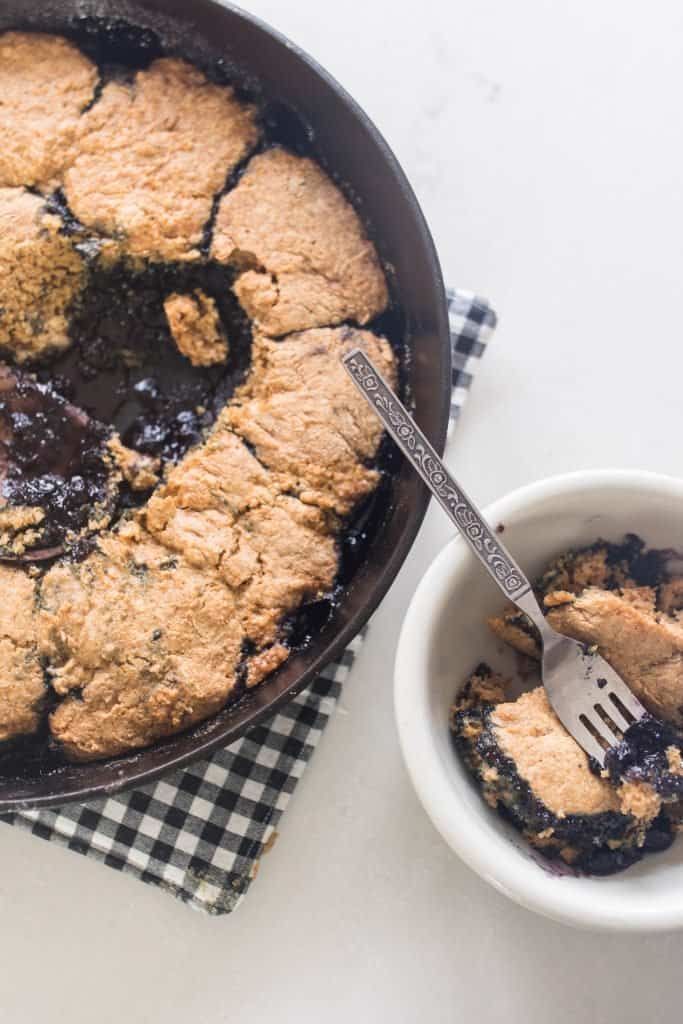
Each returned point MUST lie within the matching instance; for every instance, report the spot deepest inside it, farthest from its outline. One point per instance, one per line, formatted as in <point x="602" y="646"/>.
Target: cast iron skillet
<point x="348" y="144"/>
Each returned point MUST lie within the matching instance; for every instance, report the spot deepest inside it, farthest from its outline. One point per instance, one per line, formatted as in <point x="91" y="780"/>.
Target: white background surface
<point x="544" y="142"/>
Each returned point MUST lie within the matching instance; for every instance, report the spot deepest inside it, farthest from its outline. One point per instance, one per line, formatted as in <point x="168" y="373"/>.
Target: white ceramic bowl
<point x="444" y="637"/>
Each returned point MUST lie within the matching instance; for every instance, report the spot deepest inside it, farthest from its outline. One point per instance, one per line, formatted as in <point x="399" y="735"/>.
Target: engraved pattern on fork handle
<point x="417" y="449"/>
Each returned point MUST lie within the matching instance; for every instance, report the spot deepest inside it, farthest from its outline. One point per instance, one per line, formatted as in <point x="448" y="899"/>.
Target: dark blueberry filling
<point x="115" y="43"/>
<point x="641" y="757"/>
<point x="125" y="369"/>
<point x="51" y="457"/>
<point x="125" y="372"/>
<point x="646" y="566"/>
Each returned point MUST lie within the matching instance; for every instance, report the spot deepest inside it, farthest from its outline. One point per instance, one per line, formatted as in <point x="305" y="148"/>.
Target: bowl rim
<point x="533" y="889"/>
<point x="112" y="775"/>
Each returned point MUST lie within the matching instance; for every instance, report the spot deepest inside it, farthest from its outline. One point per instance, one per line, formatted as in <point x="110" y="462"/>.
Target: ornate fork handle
<point x="453" y="499"/>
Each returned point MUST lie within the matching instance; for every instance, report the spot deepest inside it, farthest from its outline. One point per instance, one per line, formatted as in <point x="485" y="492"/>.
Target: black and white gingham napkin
<point x="199" y="833"/>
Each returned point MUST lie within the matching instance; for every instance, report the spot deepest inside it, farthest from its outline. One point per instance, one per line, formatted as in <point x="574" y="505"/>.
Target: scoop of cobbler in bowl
<point x="627" y="601"/>
<point x="508" y="788"/>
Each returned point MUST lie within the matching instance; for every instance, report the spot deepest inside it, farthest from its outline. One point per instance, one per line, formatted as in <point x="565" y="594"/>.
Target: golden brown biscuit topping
<point x="149" y="644"/>
<point x="308" y="261"/>
<point x="140" y="471"/>
<point x="306" y="420"/>
<point x="151" y="155"/>
<point x="22" y="688"/>
<point x="195" y="324"/>
<point x="45" y="84"/>
<point x="41" y="274"/>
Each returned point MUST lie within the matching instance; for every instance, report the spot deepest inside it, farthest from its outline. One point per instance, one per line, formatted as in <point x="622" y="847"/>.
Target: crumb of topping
<point x="152" y="154"/>
<point x="140" y="471"/>
<point x="483" y="687"/>
<point x="516" y="630"/>
<point x="557" y="597"/>
<point x="262" y="664"/>
<point x="674" y="760"/>
<point x="305" y="258"/>
<point x="45" y="84"/>
<point x="17" y="527"/>
<point x="639" y="800"/>
<point x="196" y="327"/>
<point x="670" y="596"/>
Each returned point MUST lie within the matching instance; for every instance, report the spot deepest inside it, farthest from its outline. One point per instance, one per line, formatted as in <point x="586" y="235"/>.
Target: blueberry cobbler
<point x="625" y="601"/>
<point x="181" y="453"/>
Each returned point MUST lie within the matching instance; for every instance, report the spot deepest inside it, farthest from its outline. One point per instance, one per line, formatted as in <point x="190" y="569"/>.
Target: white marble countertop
<point x="543" y="140"/>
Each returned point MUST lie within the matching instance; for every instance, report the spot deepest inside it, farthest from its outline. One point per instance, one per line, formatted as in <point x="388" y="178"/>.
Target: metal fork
<point x="593" y="703"/>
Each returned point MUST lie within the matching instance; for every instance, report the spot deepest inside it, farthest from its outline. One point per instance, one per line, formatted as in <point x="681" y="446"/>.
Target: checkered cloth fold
<point x="199" y="832"/>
